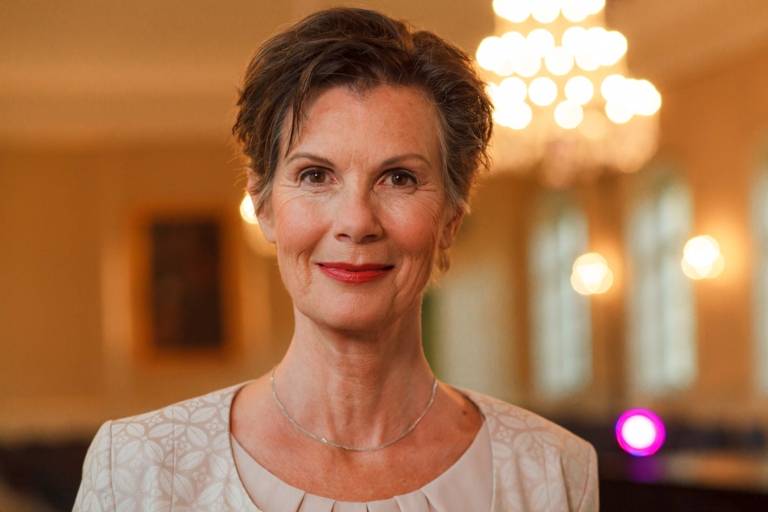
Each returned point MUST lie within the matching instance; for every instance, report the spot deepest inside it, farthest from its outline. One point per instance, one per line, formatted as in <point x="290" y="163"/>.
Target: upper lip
<point x="356" y="268"/>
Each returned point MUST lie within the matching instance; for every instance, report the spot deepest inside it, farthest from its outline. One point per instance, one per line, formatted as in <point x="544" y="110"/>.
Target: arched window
<point x="661" y="315"/>
<point x="760" y="229"/>
<point x="561" y="327"/>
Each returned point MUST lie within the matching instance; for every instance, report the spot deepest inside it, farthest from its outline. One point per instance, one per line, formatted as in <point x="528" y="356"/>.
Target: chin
<point x="351" y="317"/>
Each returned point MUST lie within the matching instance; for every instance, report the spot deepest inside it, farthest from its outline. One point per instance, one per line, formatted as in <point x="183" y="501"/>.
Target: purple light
<point x="640" y="432"/>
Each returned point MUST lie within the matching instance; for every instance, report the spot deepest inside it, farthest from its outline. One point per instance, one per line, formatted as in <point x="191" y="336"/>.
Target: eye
<point x="314" y="176"/>
<point x="400" y="178"/>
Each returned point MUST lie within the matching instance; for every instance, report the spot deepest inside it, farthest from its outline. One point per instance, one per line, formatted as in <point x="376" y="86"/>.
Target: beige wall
<point x="69" y="224"/>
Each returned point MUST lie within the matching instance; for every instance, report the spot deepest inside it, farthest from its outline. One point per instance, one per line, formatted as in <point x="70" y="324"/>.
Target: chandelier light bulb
<point x="612" y="87"/>
<point x="529" y="64"/>
<point x="489" y="52"/>
<point x="568" y="114"/>
<point x="513" y="89"/>
<point x="515" y="115"/>
<point x="516" y="11"/>
<point x="648" y="98"/>
<point x="575" y="11"/>
<point x="574" y="40"/>
<point x="545" y="11"/>
<point x="558" y="61"/>
<point x="702" y="258"/>
<point x="579" y="89"/>
<point x="618" y="111"/>
<point x="541" y="41"/>
<point x="612" y="48"/>
<point x="542" y="91"/>
<point x="591" y="274"/>
<point x="595" y="6"/>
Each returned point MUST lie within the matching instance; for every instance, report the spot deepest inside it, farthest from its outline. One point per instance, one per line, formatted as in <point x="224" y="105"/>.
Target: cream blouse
<point x="466" y="485"/>
<point x="181" y="459"/>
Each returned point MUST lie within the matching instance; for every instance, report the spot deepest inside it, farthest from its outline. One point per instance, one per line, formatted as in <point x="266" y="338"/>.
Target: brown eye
<point x="314" y="176"/>
<point x="401" y="179"/>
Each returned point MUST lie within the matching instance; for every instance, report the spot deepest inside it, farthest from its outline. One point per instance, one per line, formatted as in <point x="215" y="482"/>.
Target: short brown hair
<point x="361" y="48"/>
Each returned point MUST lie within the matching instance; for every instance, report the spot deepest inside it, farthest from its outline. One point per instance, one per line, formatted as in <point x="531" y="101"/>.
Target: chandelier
<point x="564" y="103"/>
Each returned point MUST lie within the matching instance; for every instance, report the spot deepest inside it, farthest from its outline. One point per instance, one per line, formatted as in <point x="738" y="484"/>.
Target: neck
<point x="361" y="388"/>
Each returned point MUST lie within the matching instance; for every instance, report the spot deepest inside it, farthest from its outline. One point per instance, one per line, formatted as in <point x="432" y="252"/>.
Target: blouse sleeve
<point x="95" y="493"/>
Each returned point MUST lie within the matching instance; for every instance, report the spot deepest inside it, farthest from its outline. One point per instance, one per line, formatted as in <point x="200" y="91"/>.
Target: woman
<point x="364" y="138"/>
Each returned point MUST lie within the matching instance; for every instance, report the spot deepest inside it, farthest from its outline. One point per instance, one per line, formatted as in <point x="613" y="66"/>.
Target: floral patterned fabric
<point x="180" y="458"/>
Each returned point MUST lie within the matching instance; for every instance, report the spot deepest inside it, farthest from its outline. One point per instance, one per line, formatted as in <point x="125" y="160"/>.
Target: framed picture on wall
<point x="182" y="298"/>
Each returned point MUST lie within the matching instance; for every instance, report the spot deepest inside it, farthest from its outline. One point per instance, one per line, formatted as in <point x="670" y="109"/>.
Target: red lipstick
<point x="349" y="273"/>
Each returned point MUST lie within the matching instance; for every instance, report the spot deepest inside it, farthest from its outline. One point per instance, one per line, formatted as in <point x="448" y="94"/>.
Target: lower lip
<point x="350" y="276"/>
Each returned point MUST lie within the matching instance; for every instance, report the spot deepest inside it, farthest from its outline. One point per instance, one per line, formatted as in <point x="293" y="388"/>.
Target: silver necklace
<point x="334" y="444"/>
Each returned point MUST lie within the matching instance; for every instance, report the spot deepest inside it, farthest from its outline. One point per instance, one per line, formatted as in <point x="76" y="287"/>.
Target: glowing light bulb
<point x="247" y="211"/>
<point x="545" y="11"/>
<point x="579" y="89"/>
<point x="575" y="11"/>
<point x="489" y="52"/>
<point x="558" y="61"/>
<point x="640" y="432"/>
<point x="513" y="89"/>
<point x="515" y="11"/>
<point x="542" y="91"/>
<point x="648" y="98"/>
<point x="541" y="41"/>
<point x="702" y="258"/>
<point x="529" y="64"/>
<point x="612" y="48"/>
<point x="619" y="112"/>
<point x="568" y="114"/>
<point x="574" y="38"/>
<point x="515" y="115"/>
<point x="591" y="274"/>
<point x="612" y="87"/>
<point x="595" y="6"/>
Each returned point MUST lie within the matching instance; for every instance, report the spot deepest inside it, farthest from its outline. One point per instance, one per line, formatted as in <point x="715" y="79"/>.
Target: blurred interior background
<point x="129" y="278"/>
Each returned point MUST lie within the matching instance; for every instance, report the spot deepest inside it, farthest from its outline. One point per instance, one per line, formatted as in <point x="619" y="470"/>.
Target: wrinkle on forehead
<point x="360" y="93"/>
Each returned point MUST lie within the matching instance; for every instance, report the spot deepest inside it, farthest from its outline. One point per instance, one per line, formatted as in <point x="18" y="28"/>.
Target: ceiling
<point x="86" y="71"/>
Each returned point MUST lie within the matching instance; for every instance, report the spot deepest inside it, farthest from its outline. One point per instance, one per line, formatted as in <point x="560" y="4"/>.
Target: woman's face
<point x="358" y="207"/>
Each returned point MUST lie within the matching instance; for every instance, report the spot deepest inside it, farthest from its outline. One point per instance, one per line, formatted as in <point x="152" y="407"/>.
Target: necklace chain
<point x="342" y="446"/>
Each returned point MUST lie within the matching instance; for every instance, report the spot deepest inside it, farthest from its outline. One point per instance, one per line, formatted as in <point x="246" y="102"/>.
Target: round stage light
<point x="640" y="432"/>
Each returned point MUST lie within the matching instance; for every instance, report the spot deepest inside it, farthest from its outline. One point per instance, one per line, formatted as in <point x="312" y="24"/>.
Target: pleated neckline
<point x="466" y="485"/>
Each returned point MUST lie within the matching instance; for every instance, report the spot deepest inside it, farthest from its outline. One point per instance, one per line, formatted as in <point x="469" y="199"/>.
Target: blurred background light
<point x="702" y="258"/>
<point x="640" y="432"/>
<point x="591" y="274"/>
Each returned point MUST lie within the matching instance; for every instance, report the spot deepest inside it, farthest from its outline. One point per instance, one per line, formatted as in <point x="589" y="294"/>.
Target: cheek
<point x="298" y="229"/>
<point x="416" y="227"/>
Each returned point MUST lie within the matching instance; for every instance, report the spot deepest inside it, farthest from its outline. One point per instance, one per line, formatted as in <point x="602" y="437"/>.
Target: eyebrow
<point x="387" y="162"/>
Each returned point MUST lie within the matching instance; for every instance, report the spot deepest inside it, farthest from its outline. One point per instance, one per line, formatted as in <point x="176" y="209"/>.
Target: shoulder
<point x="532" y="452"/>
<point x="179" y="452"/>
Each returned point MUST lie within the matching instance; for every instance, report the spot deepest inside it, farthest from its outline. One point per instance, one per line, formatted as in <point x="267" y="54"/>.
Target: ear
<point x="451" y="227"/>
<point x="266" y="220"/>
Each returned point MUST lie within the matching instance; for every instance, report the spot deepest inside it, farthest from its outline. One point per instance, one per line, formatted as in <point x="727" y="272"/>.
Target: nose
<point x="356" y="217"/>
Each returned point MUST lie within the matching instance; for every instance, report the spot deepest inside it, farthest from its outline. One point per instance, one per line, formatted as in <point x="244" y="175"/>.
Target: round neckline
<point x="231" y="439"/>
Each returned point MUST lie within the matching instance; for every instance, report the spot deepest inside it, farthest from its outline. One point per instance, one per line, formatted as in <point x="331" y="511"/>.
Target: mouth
<point x="351" y="273"/>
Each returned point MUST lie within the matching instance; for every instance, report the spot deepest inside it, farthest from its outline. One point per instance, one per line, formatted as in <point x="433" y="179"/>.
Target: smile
<point x="348" y="273"/>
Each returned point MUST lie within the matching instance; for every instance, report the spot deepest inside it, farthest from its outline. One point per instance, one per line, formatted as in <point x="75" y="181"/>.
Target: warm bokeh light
<point x="545" y="11"/>
<point x="542" y="91"/>
<point x="702" y="258"/>
<point x="541" y="41"/>
<point x="558" y="61"/>
<point x="579" y="89"/>
<point x="515" y="11"/>
<point x="563" y="55"/>
<point x="568" y="114"/>
<point x="591" y="274"/>
<point x="640" y="432"/>
<point x="247" y="211"/>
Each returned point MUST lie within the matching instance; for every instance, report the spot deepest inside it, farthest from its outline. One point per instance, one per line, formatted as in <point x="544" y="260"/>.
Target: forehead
<point x="381" y="120"/>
